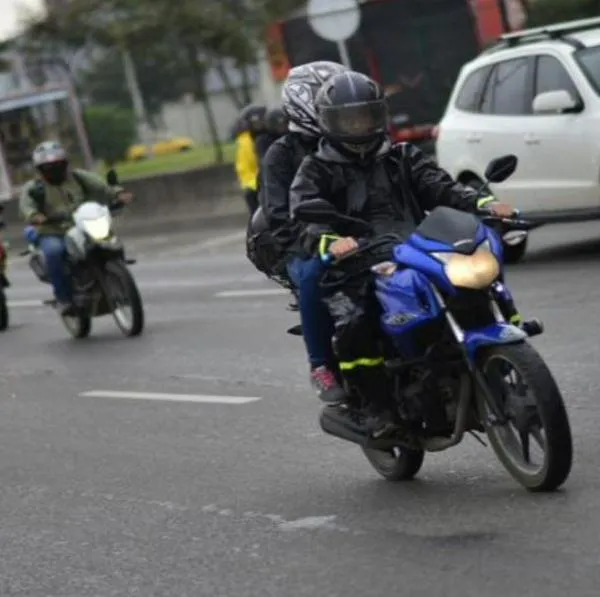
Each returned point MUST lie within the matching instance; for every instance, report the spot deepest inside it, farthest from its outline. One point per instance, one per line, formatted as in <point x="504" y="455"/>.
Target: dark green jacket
<point x="38" y="197"/>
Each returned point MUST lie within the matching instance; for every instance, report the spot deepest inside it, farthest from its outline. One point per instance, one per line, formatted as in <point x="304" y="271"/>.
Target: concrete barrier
<point x="207" y="197"/>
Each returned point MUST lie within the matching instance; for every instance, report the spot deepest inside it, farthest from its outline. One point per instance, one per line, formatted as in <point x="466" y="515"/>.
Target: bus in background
<point x="413" y="49"/>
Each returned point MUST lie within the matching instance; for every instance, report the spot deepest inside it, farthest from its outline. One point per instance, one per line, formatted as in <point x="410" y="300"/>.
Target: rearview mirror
<point x="111" y="178"/>
<point x="501" y="168"/>
<point x="315" y="211"/>
<point x="559" y="101"/>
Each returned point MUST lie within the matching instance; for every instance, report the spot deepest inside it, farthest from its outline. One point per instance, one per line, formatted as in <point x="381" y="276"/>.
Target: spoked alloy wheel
<point x="534" y="440"/>
<point x="124" y="298"/>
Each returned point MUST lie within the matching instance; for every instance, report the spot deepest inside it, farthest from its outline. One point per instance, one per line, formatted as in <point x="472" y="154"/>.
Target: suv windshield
<point x="589" y="61"/>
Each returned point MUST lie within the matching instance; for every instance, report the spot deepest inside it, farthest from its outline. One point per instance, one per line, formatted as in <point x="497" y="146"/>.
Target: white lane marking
<point x="172" y="397"/>
<point x="257" y="292"/>
<point x="25" y="303"/>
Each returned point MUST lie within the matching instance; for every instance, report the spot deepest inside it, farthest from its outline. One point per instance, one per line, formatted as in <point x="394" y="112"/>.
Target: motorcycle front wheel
<point x="533" y="438"/>
<point x="125" y="299"/>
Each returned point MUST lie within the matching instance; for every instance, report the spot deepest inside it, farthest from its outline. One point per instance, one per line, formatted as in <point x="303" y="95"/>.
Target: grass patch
<point x="175" y="162"/>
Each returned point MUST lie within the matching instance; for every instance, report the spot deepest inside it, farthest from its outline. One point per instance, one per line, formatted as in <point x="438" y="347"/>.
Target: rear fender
<point x="495" y="334"/>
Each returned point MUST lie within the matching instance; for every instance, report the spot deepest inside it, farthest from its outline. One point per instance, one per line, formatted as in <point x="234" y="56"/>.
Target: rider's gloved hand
<point x="497" y="208"/>
<point x="343" y="246"/>
<point x="502" y="210"/>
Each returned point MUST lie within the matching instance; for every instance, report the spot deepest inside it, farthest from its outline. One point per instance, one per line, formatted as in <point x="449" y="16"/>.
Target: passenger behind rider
<point x="278" y="170"/>
<point x="251" y="127"/>
<point x="276" y="125"/>
<point x="47" y="202"/>
<point x="390" y="185"/>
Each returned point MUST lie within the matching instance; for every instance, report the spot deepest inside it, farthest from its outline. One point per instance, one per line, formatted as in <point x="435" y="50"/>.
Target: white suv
<point x="536" y="94"/>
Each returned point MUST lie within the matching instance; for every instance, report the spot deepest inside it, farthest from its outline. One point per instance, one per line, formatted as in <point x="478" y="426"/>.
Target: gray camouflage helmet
<point x="299" y="92"/>
<point x="48" y="152"/>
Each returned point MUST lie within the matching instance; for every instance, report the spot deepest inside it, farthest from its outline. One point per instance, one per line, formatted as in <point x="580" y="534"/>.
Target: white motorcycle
<point x="96" y="265"/>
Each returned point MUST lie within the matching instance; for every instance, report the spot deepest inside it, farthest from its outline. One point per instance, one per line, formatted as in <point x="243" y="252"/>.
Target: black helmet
<point x="299" y="91"/>
<point x="353" y="113"/>
<point x="277" y="122"/>
<point x="252" y="118"/>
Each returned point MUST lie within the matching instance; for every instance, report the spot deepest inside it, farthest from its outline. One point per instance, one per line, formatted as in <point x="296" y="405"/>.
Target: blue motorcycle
<point x="456" y="365"/>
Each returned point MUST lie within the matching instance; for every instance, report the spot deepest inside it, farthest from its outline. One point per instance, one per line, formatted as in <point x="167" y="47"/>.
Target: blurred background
<point x="156" y="85"/>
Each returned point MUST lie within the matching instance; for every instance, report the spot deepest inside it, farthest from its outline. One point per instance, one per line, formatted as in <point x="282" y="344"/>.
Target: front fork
<point x="497" y="415"/>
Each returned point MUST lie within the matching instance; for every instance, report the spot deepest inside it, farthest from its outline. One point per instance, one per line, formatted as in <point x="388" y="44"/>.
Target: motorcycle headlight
<point x="98" y="229"/>
<point x="476" y="271"/>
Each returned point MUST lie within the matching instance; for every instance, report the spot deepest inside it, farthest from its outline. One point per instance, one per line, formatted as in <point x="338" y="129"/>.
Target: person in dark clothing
<point x="363" y="174"/>
<point x="276" y="125"/>
<point x="278" y="170"/>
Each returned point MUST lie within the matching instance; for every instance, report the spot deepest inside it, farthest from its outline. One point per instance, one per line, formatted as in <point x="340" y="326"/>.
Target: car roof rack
<point x="559" y="31"/>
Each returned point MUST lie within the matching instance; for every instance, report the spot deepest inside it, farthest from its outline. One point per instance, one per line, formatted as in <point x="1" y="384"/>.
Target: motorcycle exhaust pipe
<point x="341" y="426"/>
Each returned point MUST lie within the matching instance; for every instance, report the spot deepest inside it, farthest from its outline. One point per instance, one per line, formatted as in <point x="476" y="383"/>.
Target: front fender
<point x="492" y="335"/>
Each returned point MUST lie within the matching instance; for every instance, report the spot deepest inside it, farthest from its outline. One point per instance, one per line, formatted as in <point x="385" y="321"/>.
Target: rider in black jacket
<point x="389" y="185"/>
<point x="277" y="173"/>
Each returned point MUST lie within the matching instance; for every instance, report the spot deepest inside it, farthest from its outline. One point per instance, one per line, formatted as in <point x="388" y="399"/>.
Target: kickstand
<point x="478" y="439"/>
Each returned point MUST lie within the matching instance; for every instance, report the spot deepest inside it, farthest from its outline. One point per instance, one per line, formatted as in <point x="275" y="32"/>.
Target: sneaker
<point x="326" y="385"/>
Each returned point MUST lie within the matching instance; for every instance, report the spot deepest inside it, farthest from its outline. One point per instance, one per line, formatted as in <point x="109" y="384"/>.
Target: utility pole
<point x="137" y="99"/>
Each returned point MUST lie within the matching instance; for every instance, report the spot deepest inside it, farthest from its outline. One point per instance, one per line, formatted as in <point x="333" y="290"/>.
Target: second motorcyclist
<point x="47" y="202"/>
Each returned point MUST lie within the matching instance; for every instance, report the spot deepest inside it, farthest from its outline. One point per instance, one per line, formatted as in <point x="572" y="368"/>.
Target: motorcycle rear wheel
<point x="79" y="326"/>
<point x="399" y="464"/>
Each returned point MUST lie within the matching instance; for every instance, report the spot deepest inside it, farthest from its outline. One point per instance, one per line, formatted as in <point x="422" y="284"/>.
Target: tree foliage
<point x="111" y="130"/>
<point x="173" y="44"/>
<point x="547" y="12"/>
<point x="102" y="81"/>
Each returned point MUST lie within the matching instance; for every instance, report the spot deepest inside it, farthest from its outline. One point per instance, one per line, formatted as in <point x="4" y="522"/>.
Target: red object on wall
<point x="275" y="45"/>
<point x="489" y="19"/>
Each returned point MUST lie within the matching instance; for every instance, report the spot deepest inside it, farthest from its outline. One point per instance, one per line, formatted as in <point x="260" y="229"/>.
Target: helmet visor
<point x="355" y="121"/>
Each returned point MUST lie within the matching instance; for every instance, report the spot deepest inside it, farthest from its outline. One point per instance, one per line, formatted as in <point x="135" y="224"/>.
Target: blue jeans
<point x="317" y="324"/>
<point x="53" y="248"/>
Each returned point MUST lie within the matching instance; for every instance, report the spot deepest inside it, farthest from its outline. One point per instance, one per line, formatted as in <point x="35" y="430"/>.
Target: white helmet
<point x="48" y="152"/>
<point x="299" y="91"/>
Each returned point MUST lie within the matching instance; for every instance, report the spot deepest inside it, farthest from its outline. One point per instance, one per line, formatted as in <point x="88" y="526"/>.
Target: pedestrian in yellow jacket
<point x="247" y="160"/>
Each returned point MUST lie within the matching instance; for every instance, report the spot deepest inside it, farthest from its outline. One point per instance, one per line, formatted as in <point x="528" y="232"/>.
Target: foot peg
<point x="533" y="327"/>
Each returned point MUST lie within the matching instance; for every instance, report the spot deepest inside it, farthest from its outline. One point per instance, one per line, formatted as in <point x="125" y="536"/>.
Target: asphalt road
<point x="111" y="496"/>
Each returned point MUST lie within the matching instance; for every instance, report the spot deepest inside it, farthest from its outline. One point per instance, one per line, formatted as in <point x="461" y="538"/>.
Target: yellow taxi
<point x="160" y="147"/>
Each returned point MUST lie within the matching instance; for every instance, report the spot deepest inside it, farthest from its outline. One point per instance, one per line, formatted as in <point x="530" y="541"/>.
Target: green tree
<point x="197" y="34"/>
<point x="111" y="130"/>
<point x="547" y="12"/>
<point x="161" y="77"/>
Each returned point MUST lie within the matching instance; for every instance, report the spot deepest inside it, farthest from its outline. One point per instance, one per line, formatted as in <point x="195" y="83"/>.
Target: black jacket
<point x="277" y="172"/>
<point x="262" y="143"/>
<point x="391" y="191"/>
